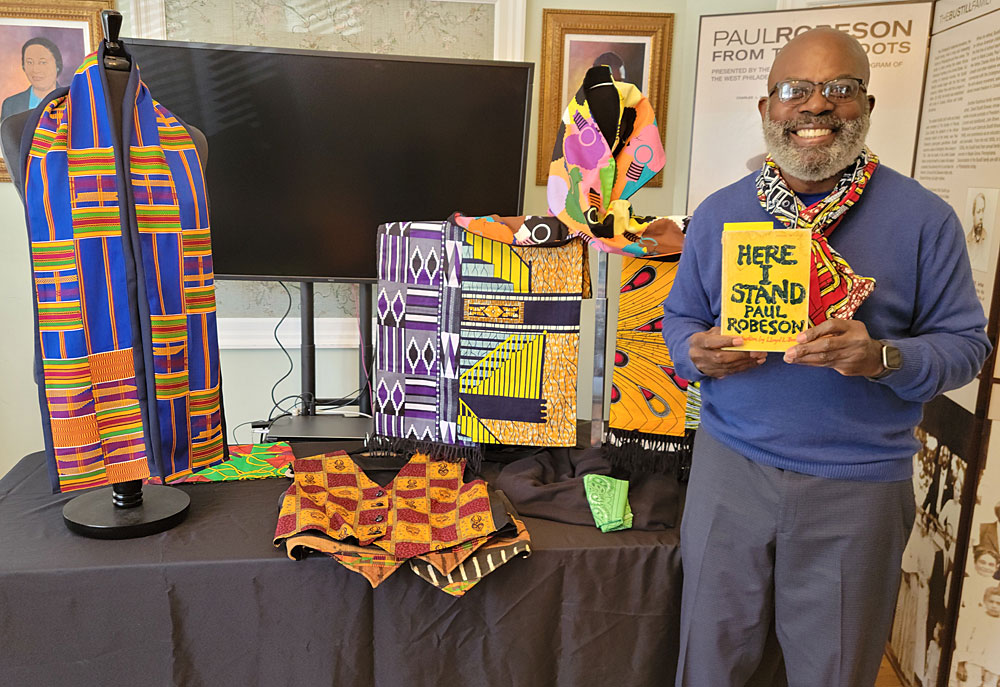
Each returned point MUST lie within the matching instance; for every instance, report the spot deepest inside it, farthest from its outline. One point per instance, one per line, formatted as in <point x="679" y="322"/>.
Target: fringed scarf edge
<point x="637" y="451"/>
<point x="451" y="453"/>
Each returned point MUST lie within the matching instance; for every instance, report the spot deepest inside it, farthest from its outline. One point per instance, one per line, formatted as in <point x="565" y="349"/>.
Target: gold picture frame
<point x="71" y="29"/>
<point x="569" y="40"/>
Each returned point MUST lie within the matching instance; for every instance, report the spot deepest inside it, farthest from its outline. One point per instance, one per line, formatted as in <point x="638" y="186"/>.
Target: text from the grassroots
<point x="748" y="44"/>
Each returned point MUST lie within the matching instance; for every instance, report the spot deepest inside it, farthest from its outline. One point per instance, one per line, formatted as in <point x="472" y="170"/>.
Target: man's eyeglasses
<point x="835" y="90"/>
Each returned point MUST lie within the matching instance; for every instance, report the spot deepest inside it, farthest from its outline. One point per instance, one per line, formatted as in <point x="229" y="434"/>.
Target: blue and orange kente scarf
<point x="127" y="357"/>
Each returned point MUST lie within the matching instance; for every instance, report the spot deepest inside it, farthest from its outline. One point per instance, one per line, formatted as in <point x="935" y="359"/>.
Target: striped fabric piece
<point x="459" y="579"/>
<point x="692" y="413"/>
<point x="126" y="395"/>
<point x="53" y="256"/>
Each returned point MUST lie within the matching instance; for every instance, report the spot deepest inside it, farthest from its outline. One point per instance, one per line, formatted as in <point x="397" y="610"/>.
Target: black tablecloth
<point x="213" y="603"/>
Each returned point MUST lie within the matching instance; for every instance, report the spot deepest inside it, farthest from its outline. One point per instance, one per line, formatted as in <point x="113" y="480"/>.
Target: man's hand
<point x="843" y="345"/>
<point x="707" y="355"/>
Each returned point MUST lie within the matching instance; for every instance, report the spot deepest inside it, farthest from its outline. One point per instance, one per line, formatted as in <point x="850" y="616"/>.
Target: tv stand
<point x="317" y="426"/>
<point x="311" y="425"/>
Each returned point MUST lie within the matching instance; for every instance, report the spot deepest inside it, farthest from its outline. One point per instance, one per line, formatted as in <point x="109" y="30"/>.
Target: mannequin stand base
<point x="95" y="515"/>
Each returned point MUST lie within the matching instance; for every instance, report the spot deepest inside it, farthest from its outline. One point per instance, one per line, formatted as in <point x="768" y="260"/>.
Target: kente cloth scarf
<point x="126" y="359"/>
<point x="835" y="291"/>
<point x="646" y="428"/>
<point x="243" y="462"/>
<point x="592" y="175"/>
<point x="476" y="341"/>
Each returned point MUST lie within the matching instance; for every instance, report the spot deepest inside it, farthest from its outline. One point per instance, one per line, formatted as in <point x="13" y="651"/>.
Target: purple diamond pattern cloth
<point x="419" y="308"/>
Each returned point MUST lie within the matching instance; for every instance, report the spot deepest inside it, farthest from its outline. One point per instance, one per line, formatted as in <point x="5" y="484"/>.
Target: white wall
<point x="20" y="425"/>
<point x="248" y="375"/>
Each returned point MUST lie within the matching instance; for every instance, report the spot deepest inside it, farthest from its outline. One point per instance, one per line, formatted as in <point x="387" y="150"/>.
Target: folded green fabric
<point x="608" y="499"/>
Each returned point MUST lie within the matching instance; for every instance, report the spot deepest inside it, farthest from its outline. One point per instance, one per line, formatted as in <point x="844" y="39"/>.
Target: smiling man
<point x="800" y="499"/>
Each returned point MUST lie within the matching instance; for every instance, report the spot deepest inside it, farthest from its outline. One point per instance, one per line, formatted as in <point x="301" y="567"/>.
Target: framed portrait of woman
<point x="41" y="45"/>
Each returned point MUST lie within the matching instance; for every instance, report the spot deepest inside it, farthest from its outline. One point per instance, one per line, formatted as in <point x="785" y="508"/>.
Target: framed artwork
<point x="636" y="45"/>
<point x="41" y="45"/>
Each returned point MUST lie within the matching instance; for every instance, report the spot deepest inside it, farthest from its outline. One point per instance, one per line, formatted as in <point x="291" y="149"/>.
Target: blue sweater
<point x="814" y="420"/>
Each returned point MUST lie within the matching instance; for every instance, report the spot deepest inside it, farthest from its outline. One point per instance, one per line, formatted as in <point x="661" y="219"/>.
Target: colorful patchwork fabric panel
<point x="427" y="507"/>
<point x="648" y="399"/>
<point x="592" y="175"/>
<point x="244" y="461"/>
<point x="127" y="351"/>
<point x="476" y="340"/>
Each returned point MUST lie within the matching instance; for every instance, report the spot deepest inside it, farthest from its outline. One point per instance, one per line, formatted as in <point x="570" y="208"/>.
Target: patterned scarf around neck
<point x="835" y="291"/>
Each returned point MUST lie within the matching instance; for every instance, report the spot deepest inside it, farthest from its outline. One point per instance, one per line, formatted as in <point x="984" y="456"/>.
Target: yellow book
<point x="765" y="284"/>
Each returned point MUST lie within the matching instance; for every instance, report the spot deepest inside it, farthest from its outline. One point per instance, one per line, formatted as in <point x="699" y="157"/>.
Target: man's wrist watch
<point x="892" y="359"/>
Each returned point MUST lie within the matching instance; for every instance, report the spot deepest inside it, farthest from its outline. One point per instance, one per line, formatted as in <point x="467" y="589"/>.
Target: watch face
<point x="892" y="359"/>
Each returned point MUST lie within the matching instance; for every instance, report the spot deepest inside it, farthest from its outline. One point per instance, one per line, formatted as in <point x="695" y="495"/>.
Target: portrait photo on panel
<point x="36" y="59"/>
<point x="977" y="638"/>
<point x="978" y="222"/>
<point x="922" y="609"/>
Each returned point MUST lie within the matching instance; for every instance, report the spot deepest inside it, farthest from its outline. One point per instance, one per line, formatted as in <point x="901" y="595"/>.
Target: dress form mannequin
<point x="602" y="97"/>
<point x="126" y="509"/>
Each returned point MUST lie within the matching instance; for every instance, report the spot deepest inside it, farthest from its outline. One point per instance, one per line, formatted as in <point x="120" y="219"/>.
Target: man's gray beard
<point x="816" y="163"/>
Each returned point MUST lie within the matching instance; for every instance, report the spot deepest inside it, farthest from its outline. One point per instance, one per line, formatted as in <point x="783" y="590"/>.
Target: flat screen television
<point x="309" y="151"/>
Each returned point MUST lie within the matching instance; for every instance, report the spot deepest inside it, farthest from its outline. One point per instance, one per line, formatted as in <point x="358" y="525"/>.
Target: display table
<point x="213" y="603"/>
